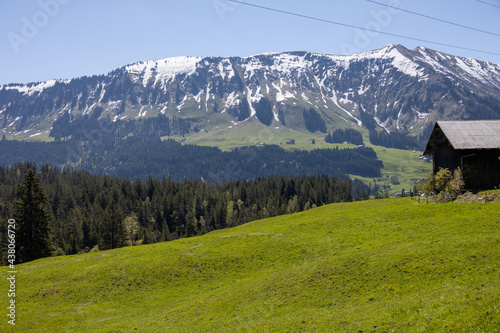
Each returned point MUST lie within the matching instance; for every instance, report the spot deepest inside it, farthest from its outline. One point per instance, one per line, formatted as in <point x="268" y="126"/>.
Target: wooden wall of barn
<point x="481" y="170"/>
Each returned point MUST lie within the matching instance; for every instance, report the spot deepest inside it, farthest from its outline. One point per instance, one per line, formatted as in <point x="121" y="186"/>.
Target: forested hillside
<point x="134" y="149"/>
<point x="94" y="210"/>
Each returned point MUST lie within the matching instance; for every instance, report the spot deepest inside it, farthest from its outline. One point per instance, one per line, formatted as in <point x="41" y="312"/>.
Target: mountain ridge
<point x="393" y="89"/>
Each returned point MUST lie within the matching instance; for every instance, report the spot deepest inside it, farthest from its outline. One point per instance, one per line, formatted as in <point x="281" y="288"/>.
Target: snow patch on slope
<point x="231" y="100"/>
<point x="163" y="70"/>
<point x="30" y="89"/>
<point x="391" y="53"/>
<point x="334" y="99"/>
<point x="287" y="63"/>
<point x="467" y="69"/>
<point x="480" y="71"/>
<point x="381" y="124"/>
<point x="226" y="69"/>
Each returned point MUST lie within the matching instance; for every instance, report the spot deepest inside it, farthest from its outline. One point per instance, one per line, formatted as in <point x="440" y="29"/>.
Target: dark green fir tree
<point x="114" y="234"/>
<point x="32" y="220"/>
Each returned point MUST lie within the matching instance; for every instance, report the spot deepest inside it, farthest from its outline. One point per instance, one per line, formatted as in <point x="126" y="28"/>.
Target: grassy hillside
<point x="376" y="266"/>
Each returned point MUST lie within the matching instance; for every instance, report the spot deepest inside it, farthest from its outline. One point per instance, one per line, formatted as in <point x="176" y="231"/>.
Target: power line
<point x="361" y="28"/>
<point x="435" y="18"/>
<point x="489" y="3"/>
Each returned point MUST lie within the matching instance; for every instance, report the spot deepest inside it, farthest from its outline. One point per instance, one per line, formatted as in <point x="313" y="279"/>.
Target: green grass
<point x="374" y="266"/>
<point x="404" y="164"/>
<point x="252" y="133"/>
<point x="496" y="192"/>
<point x="26" y="137"/>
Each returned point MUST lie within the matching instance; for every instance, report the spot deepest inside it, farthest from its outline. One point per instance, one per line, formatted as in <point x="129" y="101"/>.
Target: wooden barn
<point x="474" y="146"/>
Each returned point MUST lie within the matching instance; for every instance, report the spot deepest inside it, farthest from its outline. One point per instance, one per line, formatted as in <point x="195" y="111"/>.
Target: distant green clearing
<point x="373" y="266"/>
<point x="404" y="164"/>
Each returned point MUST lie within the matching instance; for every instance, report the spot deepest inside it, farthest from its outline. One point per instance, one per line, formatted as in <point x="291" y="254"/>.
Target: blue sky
<point x="61" y="39"/>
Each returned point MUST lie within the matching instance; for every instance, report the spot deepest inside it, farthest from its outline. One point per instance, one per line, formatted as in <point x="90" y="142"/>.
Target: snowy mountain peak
<point x="395" y="54"/>
<point x="31" y="88"/>
<point x="163" y="70"/>
<point x="392" y="88"/>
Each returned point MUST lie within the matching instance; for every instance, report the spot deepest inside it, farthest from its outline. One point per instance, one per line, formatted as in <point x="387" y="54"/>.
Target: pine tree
<point x="32" y="220"/>
<point x="114" y="233"/>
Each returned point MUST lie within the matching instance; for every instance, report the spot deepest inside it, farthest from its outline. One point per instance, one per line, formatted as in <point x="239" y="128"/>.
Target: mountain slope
<point x="392" y="88"/>
<point x="377" y="266"/>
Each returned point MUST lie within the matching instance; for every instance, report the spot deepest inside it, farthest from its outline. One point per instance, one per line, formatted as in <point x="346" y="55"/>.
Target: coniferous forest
<point x="87" y="211"/>
<point x="348" y="135"/>
<point x="396" y="140"/>
<point x="144" y="157"/>
<point x="135" y="148"/>
<point x="105" y="184"/>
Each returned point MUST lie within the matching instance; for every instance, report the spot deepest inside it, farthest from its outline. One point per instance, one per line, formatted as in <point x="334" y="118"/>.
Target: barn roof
<point x="474" y="134"/>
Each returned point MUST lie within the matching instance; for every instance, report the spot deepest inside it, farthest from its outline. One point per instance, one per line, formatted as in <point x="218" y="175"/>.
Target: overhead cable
<point x="361" y="28"/>
<point x="435" y="18"/>
<point x="489" y="3"/>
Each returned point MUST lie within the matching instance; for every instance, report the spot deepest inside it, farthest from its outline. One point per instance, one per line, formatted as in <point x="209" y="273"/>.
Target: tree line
<point x="348" y="135"/>
<point x="85" y="211"/>
<point x="140" y="156"/>
<point x="78" y="128"/>
<point x="394" y="140"/>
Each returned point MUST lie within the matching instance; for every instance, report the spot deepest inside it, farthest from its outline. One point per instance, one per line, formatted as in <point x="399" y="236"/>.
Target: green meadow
<point x="389" y="265"/>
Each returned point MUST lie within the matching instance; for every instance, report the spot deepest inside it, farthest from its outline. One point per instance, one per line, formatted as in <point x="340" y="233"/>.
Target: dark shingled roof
<point x="473" y="134"/>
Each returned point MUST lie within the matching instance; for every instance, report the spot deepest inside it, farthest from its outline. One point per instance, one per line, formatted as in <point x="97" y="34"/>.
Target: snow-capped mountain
<point x="391" y="88"/>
